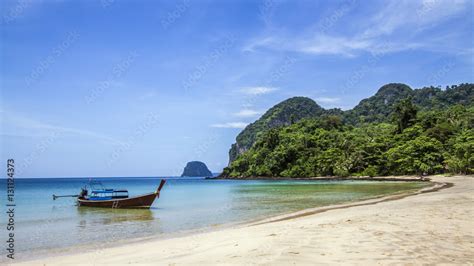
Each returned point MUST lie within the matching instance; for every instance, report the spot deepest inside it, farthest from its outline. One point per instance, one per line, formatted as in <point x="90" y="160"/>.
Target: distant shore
<point x="400" y="229"/>
<point x="409" y="178"/>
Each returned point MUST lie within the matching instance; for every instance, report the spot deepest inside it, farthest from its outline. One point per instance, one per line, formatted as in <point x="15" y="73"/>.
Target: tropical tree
<point x="405" y="114"/>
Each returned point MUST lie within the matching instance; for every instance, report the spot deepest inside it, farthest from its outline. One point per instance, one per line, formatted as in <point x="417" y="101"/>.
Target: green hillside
<point x="396" y="131"/>
<point x="378" y="107"/>
<point x="282" y="114"/>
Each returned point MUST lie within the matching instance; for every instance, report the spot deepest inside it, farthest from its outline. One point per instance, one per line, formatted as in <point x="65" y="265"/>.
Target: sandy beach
<point x="435" y="227"/>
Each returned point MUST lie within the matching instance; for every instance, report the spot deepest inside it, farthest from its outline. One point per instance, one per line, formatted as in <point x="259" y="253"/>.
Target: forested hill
<point x="282" y="114"/>
<point x="396" y="131"/>
<point x="378" y="107"/>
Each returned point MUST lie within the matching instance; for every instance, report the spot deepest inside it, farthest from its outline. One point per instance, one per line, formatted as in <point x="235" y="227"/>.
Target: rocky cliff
<point x="196" y="168"/>
<point x="283" y="114"/>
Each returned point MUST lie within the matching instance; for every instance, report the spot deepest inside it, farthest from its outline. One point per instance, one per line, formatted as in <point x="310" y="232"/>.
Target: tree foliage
<point x="433" y="141"/>
<point x="404" y="114"/>
<point x="283" y="114"/>
<point x="379" y="108"/>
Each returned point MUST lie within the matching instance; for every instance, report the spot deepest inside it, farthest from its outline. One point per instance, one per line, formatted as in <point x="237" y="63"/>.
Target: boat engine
<point x="83" y="193"/>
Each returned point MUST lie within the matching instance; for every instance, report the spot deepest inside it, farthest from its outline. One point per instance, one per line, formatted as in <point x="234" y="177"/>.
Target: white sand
<point x="436" y="227"/>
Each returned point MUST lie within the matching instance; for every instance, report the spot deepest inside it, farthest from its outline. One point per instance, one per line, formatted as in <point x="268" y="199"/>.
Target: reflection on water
<point x="107" y="216"/>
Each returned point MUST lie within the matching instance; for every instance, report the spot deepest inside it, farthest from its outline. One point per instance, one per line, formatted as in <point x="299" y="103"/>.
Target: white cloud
<point x="257" y="90"/>
<point x="250" y="47"/>
<point x="27" y="127"/>
<point x="393" y="26"/>
<point x="148" y="95"/>
<point x="231" y="125"/>
<point x="247" y="113"/>
<point x="323" y="44"/>
<point x="327" y="100"/>
<point x="412" y="15"/>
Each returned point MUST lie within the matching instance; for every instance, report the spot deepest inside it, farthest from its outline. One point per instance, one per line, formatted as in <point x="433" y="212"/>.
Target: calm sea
<point x="44" y="225"/>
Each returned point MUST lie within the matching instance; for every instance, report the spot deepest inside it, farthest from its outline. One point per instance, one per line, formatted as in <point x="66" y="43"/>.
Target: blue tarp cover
<point x="100" y="198"/>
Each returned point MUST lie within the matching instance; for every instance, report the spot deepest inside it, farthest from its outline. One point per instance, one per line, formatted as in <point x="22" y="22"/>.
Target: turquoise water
<point x="42" y="224"/>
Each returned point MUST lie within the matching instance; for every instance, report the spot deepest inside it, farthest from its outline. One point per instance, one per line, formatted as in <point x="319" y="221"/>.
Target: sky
<point x="139" y="88"/>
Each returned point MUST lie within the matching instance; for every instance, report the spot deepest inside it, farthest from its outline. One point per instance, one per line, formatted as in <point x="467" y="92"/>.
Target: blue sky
<point x="138" y="88"/>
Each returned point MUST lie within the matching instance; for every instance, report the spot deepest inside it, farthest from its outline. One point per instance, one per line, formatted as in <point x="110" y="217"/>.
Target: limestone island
<point x="196" y="168"/>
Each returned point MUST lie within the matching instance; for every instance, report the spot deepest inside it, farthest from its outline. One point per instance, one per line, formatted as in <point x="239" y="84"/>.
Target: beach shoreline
<point x="171" y="246"/>
<point x="90" y="243"/>
<point x="81" y="247"/>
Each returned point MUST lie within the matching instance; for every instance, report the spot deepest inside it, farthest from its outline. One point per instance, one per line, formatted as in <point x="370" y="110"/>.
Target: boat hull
<point x="142" y="202"/>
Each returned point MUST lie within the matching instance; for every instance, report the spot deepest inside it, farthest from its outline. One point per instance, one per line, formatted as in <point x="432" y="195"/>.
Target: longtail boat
<point x="111" y="198"/>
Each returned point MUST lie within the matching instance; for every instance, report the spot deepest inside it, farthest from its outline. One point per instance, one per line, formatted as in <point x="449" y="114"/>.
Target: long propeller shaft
<point x="63" y="196"/>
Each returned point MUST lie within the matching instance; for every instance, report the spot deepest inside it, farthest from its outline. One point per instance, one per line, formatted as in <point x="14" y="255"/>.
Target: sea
<point x="43" y="226"/>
